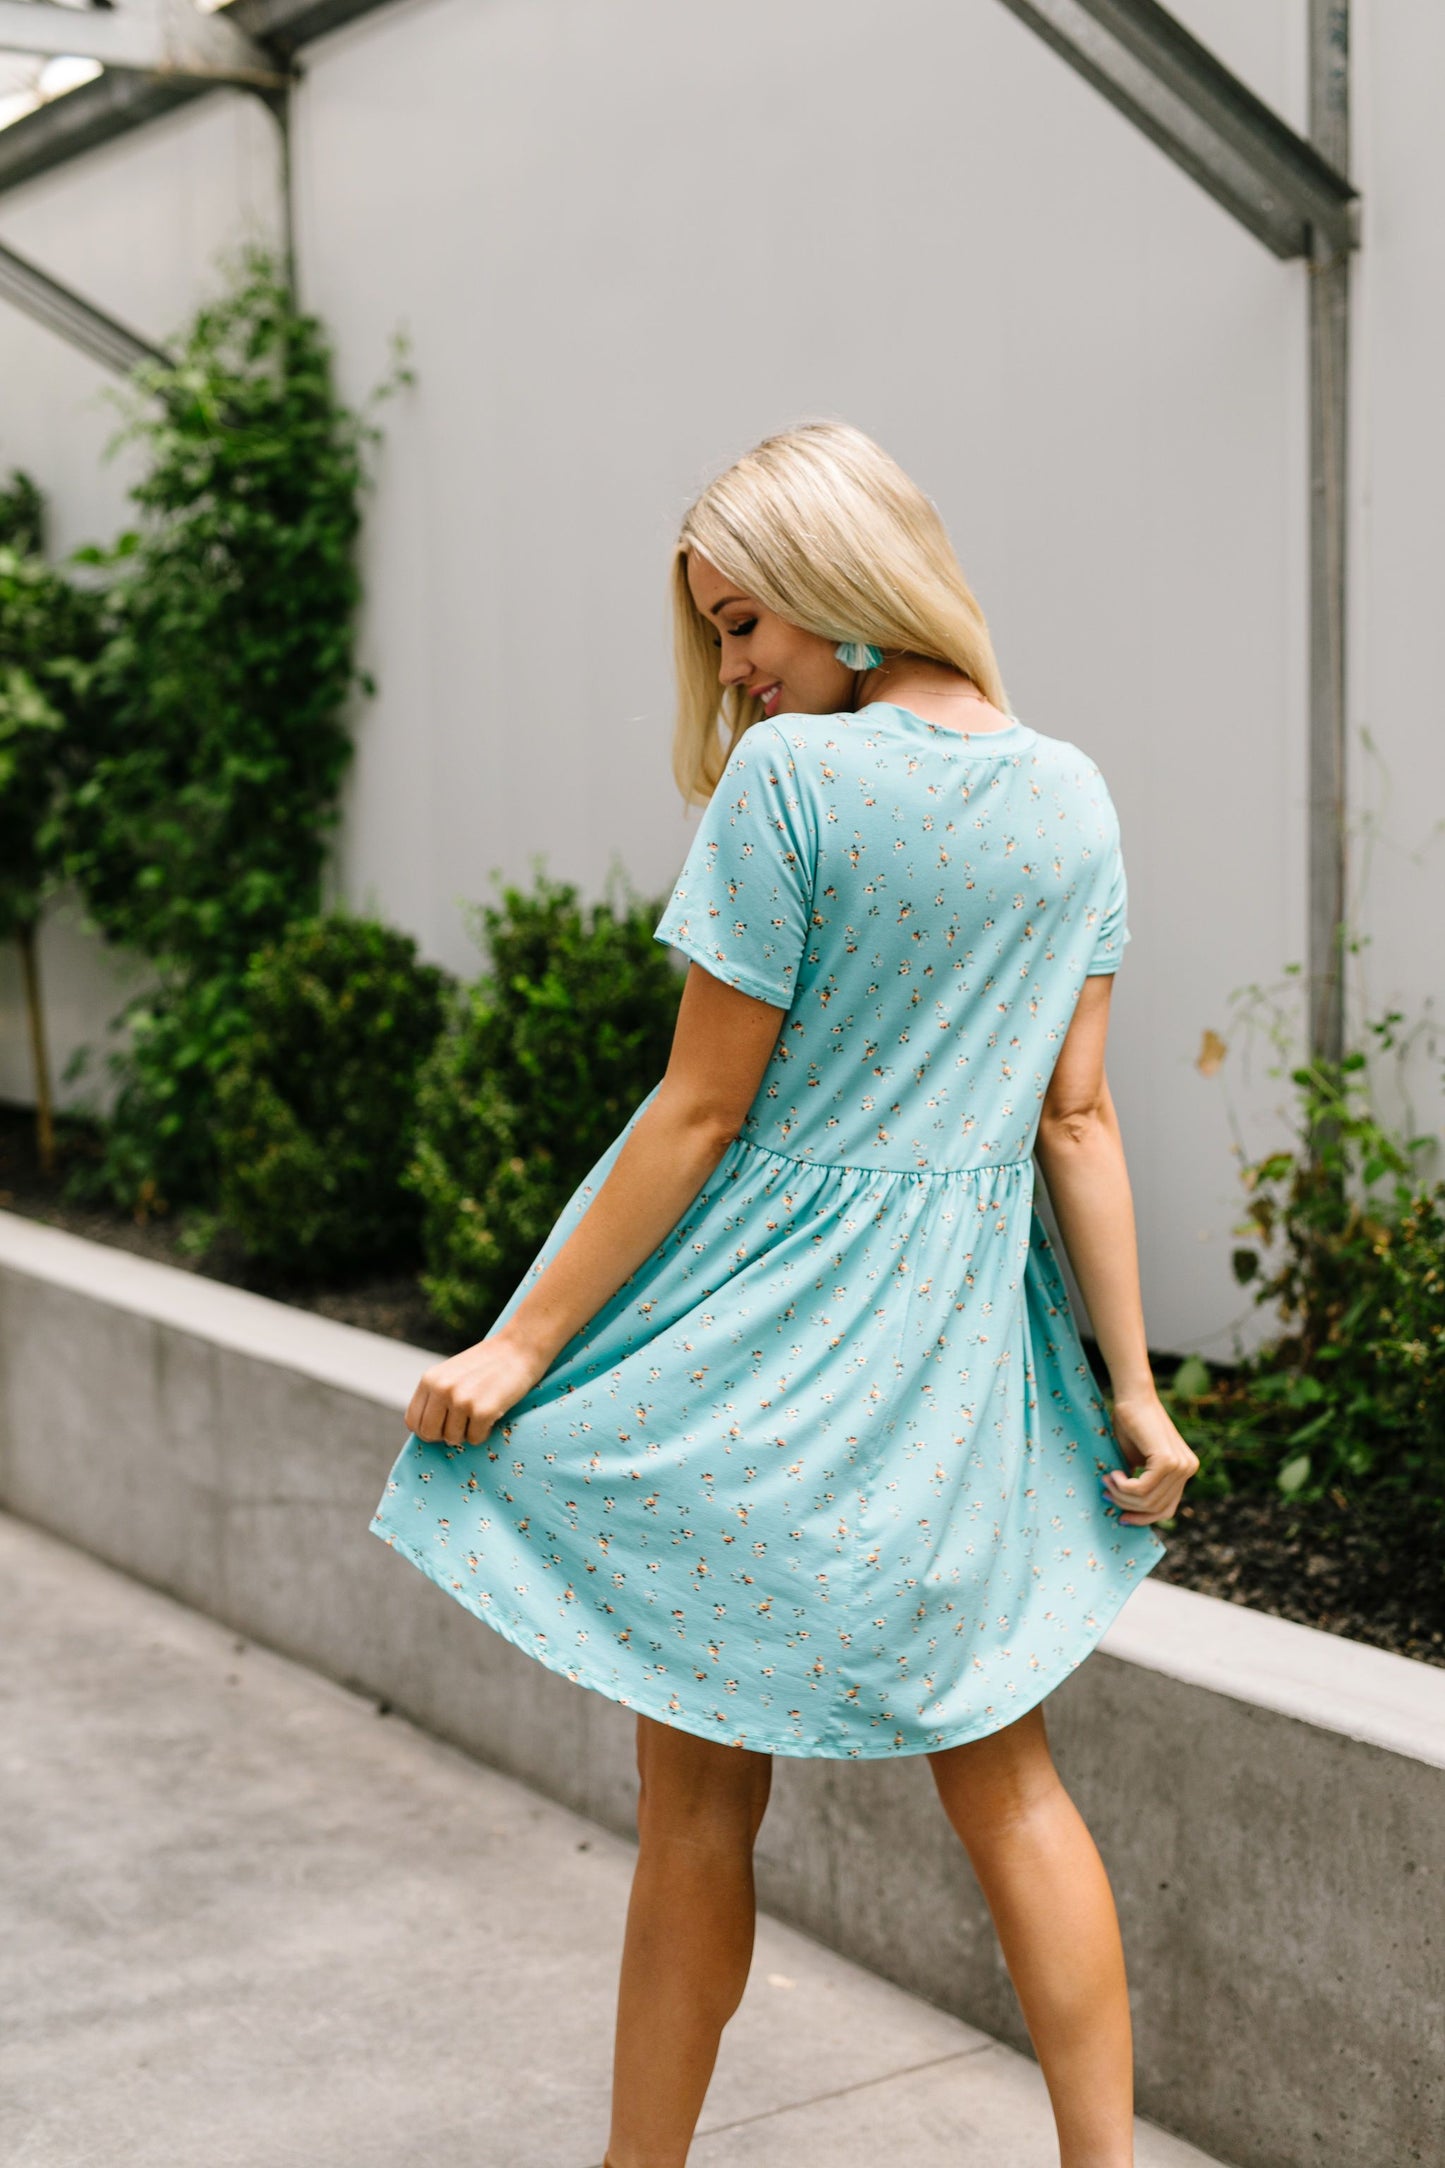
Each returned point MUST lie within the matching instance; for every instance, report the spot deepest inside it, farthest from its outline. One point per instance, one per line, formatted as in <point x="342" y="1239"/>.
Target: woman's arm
<point x="1080" y="1151"/>
<point x="722" y="1045"/>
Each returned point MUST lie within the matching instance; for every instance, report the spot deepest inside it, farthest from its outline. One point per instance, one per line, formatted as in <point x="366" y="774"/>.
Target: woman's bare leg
<point x="1053" y="1909"/>
<point x="689" y="1939"/>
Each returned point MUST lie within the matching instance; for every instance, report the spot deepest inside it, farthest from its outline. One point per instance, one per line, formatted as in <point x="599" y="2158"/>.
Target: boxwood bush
<point x="317" y="1101"/>
<point x="544" y="1060"/>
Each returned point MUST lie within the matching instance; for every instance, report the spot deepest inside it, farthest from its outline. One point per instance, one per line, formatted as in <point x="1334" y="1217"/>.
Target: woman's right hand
<point x="1163" y="1458"/>
<point x="458" y="1401"/>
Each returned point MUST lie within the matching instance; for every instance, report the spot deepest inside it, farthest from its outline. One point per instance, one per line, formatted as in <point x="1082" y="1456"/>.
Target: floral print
<point x="823" y="1477"/>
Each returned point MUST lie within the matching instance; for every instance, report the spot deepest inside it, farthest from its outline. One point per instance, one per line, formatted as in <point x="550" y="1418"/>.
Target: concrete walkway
<point x="247" y="1920"/>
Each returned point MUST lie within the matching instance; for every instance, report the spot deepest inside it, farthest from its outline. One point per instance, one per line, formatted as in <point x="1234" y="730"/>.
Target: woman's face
<point x="792" y="671"/>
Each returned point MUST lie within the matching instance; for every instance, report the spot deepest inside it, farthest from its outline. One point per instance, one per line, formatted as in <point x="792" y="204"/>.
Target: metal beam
<point x="1294" y="196"/>
<point x="152" y="37"/>
<point x="113" y="104"/>
<point x="1282" y="188"/>
<point x="76" y="319"/>
<point x="1329" y="324"/>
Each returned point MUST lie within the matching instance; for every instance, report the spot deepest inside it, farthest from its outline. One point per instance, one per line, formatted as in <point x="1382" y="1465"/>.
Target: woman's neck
<point x="935" y="694"/>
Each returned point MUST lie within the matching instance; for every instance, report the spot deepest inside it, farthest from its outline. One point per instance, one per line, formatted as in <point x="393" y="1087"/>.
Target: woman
<point x="787" y="1440"/>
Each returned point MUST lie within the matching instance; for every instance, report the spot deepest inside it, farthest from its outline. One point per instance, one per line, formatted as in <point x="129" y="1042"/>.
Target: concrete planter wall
<point x="1269" y="1801"/>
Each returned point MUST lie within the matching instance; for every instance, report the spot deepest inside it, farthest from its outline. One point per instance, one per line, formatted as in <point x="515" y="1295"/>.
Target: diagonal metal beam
<point x="1176" y="92"/>
<point x="76" y="319"/>
<point x="152" y="37"/>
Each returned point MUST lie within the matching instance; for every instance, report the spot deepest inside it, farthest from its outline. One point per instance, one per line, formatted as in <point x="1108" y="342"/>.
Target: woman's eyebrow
<point x="724" y="603"/>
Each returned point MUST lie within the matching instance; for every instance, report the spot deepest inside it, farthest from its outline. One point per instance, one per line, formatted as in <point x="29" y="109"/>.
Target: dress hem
<point x="859" y="1750"/>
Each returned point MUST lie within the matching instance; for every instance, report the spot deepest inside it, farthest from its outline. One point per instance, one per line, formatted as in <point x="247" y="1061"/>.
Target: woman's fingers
<point x="1162" y="1458"/>
<point x="459" y="1401"/>
<point x="427" y="1407"/>
<point x="1152" y="1495"/>
<point x="426" y="1412"/>
<point x="450" y="1419"/>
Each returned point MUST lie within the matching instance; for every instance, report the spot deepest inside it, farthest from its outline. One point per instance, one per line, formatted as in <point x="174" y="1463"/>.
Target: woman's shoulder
<point x="1065" y="751"/>
<point x="784" y="740"/>
<point x="1076" y="783"/>
<point x="1066" y="757"/>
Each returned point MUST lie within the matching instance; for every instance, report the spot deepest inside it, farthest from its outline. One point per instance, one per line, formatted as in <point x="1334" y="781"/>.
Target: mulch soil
<point x="1371" y="1573"/>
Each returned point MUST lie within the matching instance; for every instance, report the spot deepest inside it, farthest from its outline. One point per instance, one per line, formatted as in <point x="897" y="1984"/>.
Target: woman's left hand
<point x="458" y="1401"/>
<point x="1165" y="1461"/>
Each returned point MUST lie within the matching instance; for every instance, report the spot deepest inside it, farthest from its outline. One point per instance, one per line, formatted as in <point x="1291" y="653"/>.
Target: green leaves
<point x="1348" y="1250"/>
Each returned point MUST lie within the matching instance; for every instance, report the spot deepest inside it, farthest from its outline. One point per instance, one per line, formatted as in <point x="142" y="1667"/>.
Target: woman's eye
<point x="739" y="631"/>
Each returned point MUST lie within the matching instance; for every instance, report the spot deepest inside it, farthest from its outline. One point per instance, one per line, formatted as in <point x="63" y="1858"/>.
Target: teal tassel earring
<point x="858" y="655"/>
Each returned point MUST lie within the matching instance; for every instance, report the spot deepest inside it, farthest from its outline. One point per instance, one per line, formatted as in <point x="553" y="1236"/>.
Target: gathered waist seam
<point x="847" y="1166"/>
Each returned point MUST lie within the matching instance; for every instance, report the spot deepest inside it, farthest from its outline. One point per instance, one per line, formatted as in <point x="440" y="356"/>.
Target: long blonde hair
<point x="820" y="526"/>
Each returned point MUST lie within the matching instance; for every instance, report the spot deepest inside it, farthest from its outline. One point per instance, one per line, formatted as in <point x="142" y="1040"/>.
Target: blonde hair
<point x="820" y="526"/>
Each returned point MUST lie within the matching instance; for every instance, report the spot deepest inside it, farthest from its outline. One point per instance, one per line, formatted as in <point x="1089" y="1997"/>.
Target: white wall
<point x="627" y="239"/>
<point x="1397" y="626"/>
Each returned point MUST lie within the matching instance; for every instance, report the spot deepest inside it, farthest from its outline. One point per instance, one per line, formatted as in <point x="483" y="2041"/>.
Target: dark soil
<point x="1372" y="1574"/>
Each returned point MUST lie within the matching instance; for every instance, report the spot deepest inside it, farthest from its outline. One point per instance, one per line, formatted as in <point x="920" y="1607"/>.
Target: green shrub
<point x="547" y="1057"/>
<point x="155" y="1149"/>
<point x="317" y="1100"/>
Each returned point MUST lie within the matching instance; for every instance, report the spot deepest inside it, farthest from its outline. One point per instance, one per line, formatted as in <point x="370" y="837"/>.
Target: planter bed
<point x="1369" y="1575"/>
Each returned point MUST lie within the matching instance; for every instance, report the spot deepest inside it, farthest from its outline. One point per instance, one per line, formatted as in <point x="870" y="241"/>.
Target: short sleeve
<point x="742" y="904"/>
<point x="1110" y="913"/>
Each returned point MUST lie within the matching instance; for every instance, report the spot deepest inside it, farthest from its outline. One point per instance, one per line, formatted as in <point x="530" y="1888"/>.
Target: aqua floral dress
<point x="823" y="1477"/>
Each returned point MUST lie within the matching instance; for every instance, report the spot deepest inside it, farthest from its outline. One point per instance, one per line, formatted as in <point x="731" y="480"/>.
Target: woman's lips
<point x="769" y="696"/>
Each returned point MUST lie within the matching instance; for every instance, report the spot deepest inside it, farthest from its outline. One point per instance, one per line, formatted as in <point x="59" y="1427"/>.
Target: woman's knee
<point x="697" y="1788"/>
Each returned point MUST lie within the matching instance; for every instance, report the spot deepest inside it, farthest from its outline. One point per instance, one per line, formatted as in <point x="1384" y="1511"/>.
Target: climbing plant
<point x="201" y="828"/>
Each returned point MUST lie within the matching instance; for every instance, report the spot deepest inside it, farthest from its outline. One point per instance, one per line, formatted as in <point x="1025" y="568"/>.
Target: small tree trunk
<point x="44" y="1119"/>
